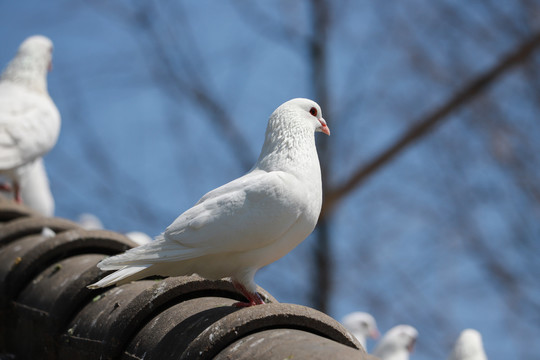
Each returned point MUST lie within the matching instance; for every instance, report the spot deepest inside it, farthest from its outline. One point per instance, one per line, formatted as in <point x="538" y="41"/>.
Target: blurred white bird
<point x="468" y="346"/>
<point x="48" y="232"/>
<point x="361" y="325"/>
<point x="35" y="189"/>
<point x="397" y="343"/>
<point x="139" y="237"/>
<point x="29" y="120"/>
<point x="89" y="222"/>
<point x="236" y="229"/>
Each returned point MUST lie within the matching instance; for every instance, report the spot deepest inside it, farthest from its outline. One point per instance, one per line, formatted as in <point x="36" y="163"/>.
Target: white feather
<point x="117" y="276"/>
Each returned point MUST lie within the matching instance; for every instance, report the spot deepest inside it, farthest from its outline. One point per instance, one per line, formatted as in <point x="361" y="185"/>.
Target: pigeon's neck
<point x="290" y="149"/>
<point x="28" y="72"/>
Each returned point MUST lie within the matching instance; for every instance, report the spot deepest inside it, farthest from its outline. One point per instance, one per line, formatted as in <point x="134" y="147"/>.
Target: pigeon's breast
<point x="306" y="202"/>
<point x="29" y="125"/>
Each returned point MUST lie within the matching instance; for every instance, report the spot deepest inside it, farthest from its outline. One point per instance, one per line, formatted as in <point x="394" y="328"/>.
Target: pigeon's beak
<point x="374" y="334"/>
<point x="324" y="128"/>
<point x="49" y="67"/>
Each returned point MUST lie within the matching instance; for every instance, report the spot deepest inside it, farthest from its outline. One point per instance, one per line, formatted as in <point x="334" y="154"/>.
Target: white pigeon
<point x="29" y="120"/>
<point x="89" y="222"/>
<point x="248" y="223"/>
<point x="139" y="237"/>
<point x="468" y="346"/>
<point x="361" y="325"/>
<point x="35" y="189"/>
<point x="48" y="232"/>
<point x="397" y="343"/>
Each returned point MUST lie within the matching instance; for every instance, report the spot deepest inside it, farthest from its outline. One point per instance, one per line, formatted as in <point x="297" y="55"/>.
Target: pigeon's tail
<point x="124" y="275"/>
<point x="158" y="251"/>
<point x="159" y="257"/>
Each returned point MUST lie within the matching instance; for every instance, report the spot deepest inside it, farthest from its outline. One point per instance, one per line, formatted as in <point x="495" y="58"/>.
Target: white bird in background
<point x="89" y="222"/>
<point x="397" y="343"/>
<point x="48" y="232"/>
<point x="361" y="325"/>
<point x="248" y="223"/>
<point x="139" y="237"/>
<point x="35" y="189"/>
<point x="468" y="346"/>
<point x="29" y="120"/>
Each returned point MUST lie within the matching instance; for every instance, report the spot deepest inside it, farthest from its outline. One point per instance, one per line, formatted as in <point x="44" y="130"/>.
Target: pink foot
<point x="17" y="191"/>
<point x="253" y="298"/>
<point x="242" y="304"/>
<point x="6" y="187"/>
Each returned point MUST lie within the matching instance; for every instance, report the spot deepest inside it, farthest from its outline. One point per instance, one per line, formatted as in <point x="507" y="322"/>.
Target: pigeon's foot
<point x="17" y="191"/>
<point x="242" y="304"/>
<point x="253" y="298"/>
<point x="5" y="187"/>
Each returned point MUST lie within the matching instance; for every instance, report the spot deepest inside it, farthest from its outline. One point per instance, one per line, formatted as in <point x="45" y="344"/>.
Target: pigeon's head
<point x="37" y="50"/>
<point x="30" y="65"/>
<point x="361" y="323"/>
<point x="401" y="337"/>
<point x="469" y="344"/>
<point x="306" y="112"/>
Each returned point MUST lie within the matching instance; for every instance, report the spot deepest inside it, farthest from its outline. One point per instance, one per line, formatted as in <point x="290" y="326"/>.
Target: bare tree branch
<point x="317" y="61"/>
<point x="424" y="126"/>
<point x="272" y="29"/>
<point x="181" y="80"/>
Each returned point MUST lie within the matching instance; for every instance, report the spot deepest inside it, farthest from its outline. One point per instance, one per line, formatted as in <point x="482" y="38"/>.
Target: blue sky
<point x="137" y="155"/>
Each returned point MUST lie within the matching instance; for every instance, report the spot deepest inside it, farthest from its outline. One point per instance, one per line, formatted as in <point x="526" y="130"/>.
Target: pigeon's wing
<point x="247" y="213"/>
<point x="29" y="125"/>
<point x="232" y="186"/>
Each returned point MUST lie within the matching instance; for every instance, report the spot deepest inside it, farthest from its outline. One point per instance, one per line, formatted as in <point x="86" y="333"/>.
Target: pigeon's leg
<point x="6" y="187"/>
<point x="15" y="189"/>
<point x="253" y="298"/>
<point x="17" y="192"/>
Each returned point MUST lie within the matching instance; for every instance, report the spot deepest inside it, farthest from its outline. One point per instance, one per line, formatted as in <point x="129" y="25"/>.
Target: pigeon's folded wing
<point x="247" y="213"/>
<point x="29" y="125"/>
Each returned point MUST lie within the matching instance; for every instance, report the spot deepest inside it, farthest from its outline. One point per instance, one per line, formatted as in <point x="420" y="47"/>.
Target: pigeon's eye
<point x="313" y="111"/>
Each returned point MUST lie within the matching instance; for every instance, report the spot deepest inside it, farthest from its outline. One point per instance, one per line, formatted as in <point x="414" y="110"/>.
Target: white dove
<point x="29" y="120"/>
<point x="397" y="343"/>
<point x="248" y="223"/>
<point x="89" y="222"/>
<point x="468" y="346"/>
<point x="361" y="325"/>
<point x="139" y="237"/>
